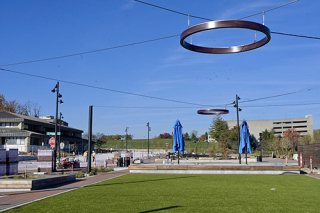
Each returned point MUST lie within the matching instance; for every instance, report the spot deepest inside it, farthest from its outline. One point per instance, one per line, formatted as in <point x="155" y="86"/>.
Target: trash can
<point x="120" y="162"/>
<point x="126" y="161"/>
<point x="259" y="158"/>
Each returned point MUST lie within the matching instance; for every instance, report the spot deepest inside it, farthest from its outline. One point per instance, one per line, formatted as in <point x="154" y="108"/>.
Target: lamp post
<point x="56" y="89"/>
<point x="89" y="138"/>
<point x="149" y="129"/>
<point x="127" y="138"/>
<point x="59" y="148"/>
<point x="236" y="104"/>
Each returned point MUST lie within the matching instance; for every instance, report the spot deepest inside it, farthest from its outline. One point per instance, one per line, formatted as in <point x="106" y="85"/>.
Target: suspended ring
<point x="213" y="111"/>
<point x="225" y="24"/>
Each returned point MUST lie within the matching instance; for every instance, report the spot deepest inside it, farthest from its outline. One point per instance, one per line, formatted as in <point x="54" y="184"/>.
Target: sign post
<point x="53" y="133"/>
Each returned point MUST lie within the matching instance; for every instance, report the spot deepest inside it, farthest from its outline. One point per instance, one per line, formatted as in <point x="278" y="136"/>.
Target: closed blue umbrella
<point x="244" y="139"/>
<point x="178" y="141"/>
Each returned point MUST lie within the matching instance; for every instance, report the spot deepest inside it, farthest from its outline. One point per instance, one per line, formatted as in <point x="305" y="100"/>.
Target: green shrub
<point x="102" y="169"/>
<point x="94" y="171"/>
<point x="109" y="170"/>
<point x="17" y="177"/>
<point x="80" y="175"/>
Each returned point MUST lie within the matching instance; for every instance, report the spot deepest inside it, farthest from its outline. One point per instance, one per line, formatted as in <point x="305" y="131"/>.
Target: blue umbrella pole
<point x="246" y="155"/>
<point x="245" y="137"/>
<point x="178" y="157"/>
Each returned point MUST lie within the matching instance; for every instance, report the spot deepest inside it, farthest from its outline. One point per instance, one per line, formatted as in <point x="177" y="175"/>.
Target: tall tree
<point x="316" y="136"/>
<point x="194" y="134"/>
<point x="268" y="139"/>
<point x="292" y="136"/>
<point x="165" y="136"/>
<point x="186" y="136"/>
<point x="217" y="127"/>
<point x="10" y="106"/>
<point x="203" y="138"/>
<point x="307" y="139"/>
<point x="30" y="109"/>
<point x="128" y="137"/>
<point x="100" y="139"/>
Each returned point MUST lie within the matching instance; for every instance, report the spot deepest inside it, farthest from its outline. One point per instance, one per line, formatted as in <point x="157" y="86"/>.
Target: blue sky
<point x="32" y="30"/>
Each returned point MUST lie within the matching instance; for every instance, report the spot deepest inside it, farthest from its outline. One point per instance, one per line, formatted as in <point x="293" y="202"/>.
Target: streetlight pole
<point x="56" y="89"/>
<point x="238" y="109"/>
<point x="149" y="129"/>
<point x="59" y="148"/>
<point x="127" y="139"/>
<point x="89" y="138"/>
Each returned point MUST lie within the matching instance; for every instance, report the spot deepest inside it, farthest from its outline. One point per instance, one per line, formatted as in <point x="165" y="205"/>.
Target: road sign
<point x="52" y="142"/>
<point x="61" y="145"/>
<point x="53" y="133"/>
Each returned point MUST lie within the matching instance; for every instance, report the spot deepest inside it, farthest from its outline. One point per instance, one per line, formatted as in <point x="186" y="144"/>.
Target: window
<point x="297" y="122"/>
<point x="275" y="123"/>
<point x="15" y="140"/>
<point x="9" y="125"/>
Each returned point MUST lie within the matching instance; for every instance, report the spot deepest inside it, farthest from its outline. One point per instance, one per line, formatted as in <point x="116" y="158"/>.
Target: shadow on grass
<point x="140" y="181"/>
<point x="156" y="210"/>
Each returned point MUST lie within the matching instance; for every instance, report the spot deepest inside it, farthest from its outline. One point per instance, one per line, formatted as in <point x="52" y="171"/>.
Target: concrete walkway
<point x="10" y="200"/>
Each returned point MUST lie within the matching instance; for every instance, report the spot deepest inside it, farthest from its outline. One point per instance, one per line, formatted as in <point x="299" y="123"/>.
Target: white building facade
<point x="303" y="126"/>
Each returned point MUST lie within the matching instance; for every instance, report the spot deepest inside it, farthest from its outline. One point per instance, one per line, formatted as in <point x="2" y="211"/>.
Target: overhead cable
<point x="171" y="107"/>
<point x="156" y="39"/>
<point x="268" y="10"/>
<point x="301" y="36"/>
<point x="102" y="88"/>
<point x="275" y="96"/>
<point x="281" y="105"/>
<point x="92" y="51"/>
<point x="174" y="11"/>
<point x="153" y="97"/>
<point x="198" y="17"/>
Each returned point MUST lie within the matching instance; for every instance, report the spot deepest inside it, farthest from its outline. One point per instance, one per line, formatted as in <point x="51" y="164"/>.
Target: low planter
<point x="31" y="184"/>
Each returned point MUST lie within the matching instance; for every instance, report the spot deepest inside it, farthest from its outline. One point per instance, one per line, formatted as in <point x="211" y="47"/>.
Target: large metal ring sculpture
<point x="213" y="111"/>
<point x="225" y="24"/>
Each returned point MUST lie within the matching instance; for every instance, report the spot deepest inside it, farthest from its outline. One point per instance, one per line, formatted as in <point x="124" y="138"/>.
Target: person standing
<point x="93" y="155"/>
<point x="85" y="155"/>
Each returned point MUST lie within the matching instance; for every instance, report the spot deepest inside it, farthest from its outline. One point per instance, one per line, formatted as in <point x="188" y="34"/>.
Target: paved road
<point x="13" y="199"/>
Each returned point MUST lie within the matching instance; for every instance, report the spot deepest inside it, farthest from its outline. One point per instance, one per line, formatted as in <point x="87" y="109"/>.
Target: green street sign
<point x="53" y="133"/>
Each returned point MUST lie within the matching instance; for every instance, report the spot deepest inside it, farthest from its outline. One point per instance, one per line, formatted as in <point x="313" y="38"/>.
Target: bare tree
<point x="30" y="109"/>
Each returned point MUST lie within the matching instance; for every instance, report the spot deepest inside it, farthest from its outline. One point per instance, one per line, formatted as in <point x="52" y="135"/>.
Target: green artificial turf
<point x="188" y="193"/>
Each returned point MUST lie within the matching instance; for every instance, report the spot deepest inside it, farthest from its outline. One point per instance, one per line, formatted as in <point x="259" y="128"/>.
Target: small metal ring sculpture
<point x="225" y="24"/>
<point x="213" y="111"/>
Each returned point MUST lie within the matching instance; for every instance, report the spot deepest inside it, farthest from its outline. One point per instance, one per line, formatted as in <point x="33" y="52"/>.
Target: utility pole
<point x="127" y="139"/>
<point x="236" y="104"/>
<point x="56" y="89"/>
<point x="89" y="138"/>
<point x="59" y="148"/>
<point x="149" y="129"/>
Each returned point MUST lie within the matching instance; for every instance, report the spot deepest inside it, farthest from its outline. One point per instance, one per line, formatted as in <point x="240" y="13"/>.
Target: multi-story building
<point x="303" y="126"/>
<point x="27" y="133"/>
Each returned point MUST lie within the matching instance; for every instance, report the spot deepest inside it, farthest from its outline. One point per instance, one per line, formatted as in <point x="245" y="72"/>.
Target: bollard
<point x="301" y="159"/>
<point x="105" y="163"/>
<point x="94" y="164"/>
<point x="286" y="160"/>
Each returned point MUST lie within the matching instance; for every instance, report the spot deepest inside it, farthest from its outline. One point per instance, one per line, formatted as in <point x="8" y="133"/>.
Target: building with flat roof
<point x="27" y="133"/>
<point x="303" y="126"/>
